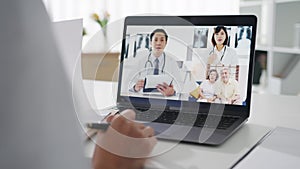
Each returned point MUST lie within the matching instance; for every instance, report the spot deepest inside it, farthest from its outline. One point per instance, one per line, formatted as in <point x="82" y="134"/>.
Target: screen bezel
<point x="227" y="20"/>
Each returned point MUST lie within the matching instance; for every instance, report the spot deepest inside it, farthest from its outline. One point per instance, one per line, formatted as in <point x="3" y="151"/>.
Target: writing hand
<point x="125" y="145"/>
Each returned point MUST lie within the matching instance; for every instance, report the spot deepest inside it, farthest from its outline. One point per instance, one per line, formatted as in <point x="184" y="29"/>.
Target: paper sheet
<point x="153" y="80"/>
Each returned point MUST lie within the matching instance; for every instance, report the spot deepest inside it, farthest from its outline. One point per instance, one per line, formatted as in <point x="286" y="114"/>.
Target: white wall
<point x="70" y="9"/>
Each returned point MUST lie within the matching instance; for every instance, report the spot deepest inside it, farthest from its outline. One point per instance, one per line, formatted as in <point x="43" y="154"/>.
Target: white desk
<point x="267" y="112"/>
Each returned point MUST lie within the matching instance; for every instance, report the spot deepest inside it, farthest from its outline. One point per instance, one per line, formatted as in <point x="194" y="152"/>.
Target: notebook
<point x="201" y="54"/>
<point x="280" y="149"/>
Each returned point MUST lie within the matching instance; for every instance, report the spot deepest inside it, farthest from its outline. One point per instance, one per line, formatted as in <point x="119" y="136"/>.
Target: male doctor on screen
<point x="157" y="62"/>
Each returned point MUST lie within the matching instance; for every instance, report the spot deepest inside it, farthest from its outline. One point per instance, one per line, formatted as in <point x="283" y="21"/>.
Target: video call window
<point x="188" y="63"/>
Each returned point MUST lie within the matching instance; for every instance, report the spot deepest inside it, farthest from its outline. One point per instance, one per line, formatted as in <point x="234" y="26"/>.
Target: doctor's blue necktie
<point x="156" y="67"/>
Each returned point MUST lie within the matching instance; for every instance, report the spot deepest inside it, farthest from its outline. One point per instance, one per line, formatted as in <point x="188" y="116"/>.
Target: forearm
<point x="201" y="95"/>
<point x="111" y="161"/>
<point x="214" y="97"/>
<point x="235" y="97"/>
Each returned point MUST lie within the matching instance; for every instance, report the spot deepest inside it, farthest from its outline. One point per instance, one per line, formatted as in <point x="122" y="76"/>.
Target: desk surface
<point x="267" y="111"/>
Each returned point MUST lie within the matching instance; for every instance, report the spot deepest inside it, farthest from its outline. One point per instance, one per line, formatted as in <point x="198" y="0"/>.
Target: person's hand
<point x="211" y="58"/>
<point x="125" y="145"/>
<point x="139" y="85"/>
<point x="165" y="89"/>
<point x="236" y="99"/>
<point x="210" y="100"/>
<point x="229" y="101"/>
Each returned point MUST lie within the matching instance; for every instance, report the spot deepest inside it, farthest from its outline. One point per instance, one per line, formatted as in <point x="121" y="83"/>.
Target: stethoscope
<point x="151" y="64"/>
<point x="213" y="50"/>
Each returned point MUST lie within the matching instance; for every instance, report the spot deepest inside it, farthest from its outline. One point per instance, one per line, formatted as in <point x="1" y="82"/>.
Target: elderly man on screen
<point x="227" y="89"/>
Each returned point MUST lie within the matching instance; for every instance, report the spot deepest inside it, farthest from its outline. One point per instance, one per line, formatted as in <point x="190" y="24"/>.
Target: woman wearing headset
<point x="159" y="63"/>
<point x="221" y="54"/>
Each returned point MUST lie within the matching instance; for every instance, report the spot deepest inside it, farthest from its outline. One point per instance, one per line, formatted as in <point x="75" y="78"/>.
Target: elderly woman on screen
<point x="207" y="89"/>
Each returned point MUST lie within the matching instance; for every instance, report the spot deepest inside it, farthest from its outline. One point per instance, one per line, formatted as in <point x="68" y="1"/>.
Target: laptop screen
<point x="193" y="60"/>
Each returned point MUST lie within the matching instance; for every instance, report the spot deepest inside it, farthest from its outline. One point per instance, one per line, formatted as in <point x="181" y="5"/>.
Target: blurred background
<point x="277" y="65"/>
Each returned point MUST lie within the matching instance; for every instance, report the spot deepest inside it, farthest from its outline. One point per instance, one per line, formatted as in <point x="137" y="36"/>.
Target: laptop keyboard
<point x="188" y="119"/>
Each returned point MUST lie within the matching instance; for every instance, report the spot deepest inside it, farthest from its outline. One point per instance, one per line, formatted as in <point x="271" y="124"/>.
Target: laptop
<point x="184" y="115"/>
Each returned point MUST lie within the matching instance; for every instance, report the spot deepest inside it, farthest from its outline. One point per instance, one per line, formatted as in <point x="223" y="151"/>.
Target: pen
<point x="99" y="126"/>
<point x="104" y="118"/>
<point x="92" y="131"/>
<point x="171" y="82"/>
